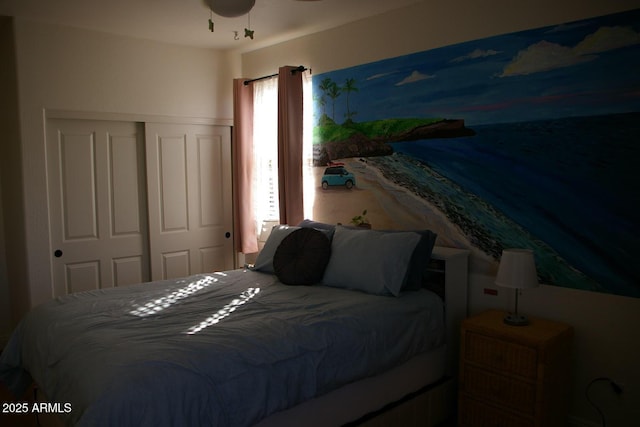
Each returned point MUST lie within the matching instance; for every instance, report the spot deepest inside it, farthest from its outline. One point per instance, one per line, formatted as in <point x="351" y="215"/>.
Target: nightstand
<point x="513" y="376"/>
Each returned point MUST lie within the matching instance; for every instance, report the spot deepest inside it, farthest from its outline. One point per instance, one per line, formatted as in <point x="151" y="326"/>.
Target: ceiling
<point x="185" y="22"/>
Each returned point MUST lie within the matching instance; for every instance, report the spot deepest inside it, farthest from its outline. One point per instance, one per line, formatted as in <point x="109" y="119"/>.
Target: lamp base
<point x="515" y="319"/>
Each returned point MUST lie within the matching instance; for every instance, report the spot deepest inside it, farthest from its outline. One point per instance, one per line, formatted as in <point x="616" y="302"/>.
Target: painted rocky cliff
<point x="360" y="145"/>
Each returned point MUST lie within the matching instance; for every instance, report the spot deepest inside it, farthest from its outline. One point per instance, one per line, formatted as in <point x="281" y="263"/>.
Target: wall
<point x="605" y="342"/>
<point x="424" y="26"/>
<point x="5" y="306"/>
<point x="6" y="50"/>
<point x="12" y="230"/>
<point x="87" y="73"/>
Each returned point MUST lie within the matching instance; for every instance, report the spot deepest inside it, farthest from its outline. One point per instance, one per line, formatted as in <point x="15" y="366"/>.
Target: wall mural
<point x="526" y="140"/>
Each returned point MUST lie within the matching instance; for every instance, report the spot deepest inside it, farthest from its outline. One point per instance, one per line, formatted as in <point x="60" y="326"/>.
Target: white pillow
<point x="372" y="261"/>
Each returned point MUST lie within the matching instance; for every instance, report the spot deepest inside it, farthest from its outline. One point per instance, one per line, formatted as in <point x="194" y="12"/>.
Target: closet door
<point x="97" y="204"/>
<point x="189" y="193"/>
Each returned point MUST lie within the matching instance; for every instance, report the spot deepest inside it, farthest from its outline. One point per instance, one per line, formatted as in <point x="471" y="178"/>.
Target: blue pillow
<point x="420" y="260"/>
<point x="264" y="262"/>
<point x="371" y="261"/>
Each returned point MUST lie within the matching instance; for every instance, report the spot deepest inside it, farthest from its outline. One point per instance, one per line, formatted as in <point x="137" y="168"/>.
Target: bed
<point x="327" y="328"/>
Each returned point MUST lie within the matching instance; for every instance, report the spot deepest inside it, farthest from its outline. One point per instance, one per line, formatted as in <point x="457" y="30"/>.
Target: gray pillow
<point x="371" y="261"/>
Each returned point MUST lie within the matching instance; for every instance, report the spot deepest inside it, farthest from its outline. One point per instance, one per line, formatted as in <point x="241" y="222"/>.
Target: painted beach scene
<point x="523" y="140"/>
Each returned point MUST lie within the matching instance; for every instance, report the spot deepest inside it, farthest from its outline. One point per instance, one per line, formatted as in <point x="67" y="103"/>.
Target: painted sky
<point x="583" y="68"/>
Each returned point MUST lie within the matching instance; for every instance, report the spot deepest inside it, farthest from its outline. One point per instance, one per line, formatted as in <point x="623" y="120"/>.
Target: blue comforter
<point x="225" y="349"/>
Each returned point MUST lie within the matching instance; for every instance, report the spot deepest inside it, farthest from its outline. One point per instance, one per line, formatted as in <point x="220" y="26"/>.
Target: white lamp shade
<point x="517" y="269"/>
<point x="230" y="8"/>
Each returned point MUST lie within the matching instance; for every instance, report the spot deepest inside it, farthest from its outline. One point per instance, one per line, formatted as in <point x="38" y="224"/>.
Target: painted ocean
<point x="567" y="188"/>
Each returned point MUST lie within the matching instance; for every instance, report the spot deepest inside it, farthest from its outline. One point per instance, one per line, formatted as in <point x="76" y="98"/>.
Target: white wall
<point x="423" y="26"/>
<point x="5" y="311"/>
<point x="607" y="341"/>
<point x="86" y="72"/>
<point x="12" y="248"/>
<point x="5" y="307"/>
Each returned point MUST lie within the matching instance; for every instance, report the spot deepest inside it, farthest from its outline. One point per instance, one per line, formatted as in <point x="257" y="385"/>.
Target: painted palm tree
<point x="349" y="86"/>
<point x="333" y="92"/>
<point x="327" y="86"/>
<point x="322" y="103"/>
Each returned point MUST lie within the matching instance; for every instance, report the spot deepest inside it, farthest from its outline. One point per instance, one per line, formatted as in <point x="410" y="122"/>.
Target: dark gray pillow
<point x="327" y="228"/>
<point x="264" y="262"/>
<point x="309" y="223"/>
<point x="302" y="257"/>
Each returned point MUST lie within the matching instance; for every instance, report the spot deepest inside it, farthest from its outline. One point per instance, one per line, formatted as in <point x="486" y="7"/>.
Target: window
<point x="265" y="150"/>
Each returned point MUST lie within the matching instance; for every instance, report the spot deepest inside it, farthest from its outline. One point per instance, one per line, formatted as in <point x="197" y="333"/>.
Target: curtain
<point x="242" y="146"/>
<point x="290" y="127"/>
<point x="309" y="179"/>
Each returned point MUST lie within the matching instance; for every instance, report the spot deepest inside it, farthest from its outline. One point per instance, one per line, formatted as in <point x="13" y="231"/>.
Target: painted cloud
<point x="477" y="53"/>
<point x="545" y="56"/>
<point x="415" y="76"/>
<point x="607" y="38"/>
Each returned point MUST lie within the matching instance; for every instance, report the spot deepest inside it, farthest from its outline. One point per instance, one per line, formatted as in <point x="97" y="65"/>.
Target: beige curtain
<point x="290" y="117"/>
<point x="244" y="223"/>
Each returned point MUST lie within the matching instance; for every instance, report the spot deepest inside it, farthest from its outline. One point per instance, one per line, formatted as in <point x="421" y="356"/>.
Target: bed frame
<point x="431" y="398"/>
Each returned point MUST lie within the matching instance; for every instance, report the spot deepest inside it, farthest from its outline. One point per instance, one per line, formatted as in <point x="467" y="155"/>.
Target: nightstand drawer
<point x="501" y="390"/>
<point x="506" y="357"/>
<point x="477" y="414"/>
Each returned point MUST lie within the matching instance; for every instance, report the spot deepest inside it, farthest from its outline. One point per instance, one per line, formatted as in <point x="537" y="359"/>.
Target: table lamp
<point x="517" y="270"/>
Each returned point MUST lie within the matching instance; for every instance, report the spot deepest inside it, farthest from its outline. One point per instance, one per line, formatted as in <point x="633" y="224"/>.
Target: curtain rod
<point x="300" y="68"/>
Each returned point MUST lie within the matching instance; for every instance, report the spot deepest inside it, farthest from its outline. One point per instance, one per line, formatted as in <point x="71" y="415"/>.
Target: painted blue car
<point x="337" y="175"/>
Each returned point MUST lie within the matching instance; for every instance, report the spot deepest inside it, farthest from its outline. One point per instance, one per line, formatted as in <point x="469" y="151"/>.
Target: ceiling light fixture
<point x="230" y="8"/>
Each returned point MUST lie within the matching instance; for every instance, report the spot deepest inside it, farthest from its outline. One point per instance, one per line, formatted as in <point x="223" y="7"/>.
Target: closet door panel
<point x="130" y="270"/>
<point x="175" y="264"/>
<point x="97" y="204"/>
<point x="125" y="206"/>
<point x="172" y="178"/>
<point x="189" y="193"/>
<point x="211" y="170"/>
<point x="82" y="276"/>
<point x="77" y="181"/>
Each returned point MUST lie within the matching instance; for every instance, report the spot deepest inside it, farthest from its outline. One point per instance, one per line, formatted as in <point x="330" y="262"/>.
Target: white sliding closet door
<point x="97" y="204"/>
<point x="190" y="199"/>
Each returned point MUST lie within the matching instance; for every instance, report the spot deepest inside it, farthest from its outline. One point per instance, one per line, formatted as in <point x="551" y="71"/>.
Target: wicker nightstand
<point x="513" y="376"/>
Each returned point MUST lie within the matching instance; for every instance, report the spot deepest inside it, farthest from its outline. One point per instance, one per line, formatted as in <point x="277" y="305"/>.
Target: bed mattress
<point x="225" y="349"/>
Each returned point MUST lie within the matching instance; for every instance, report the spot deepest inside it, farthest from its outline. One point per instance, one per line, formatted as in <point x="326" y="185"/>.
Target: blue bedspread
<point x="225" y="349"/>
